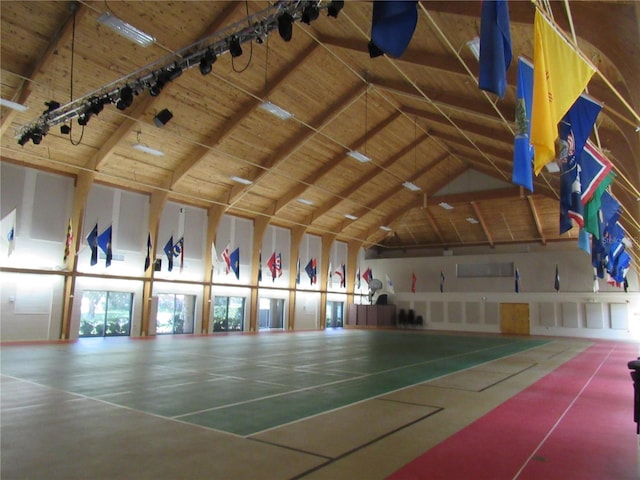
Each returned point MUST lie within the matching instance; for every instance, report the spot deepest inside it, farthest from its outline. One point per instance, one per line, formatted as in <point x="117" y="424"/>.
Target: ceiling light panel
<point x="126" y="30"/>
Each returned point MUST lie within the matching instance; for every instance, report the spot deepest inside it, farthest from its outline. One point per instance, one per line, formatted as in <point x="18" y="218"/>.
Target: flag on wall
<point x="389" y="284"/>
<point x="330" y="275"/>
<point x="559" y="77"/>
<point x="235" y="262"/>
<point x="227" y="260"/>
<point x="517" y="280"/>
<point x="178" y="251"/>
<point x="168" y="251"/>
<point x="104" y="242"/>
<point x="214" y="257"/>
<point x="260" y="266"/>
<point x="358" y="278"/>
<point x="68" y="242"/>
<point x="594" y="168"/>
<point x="311" y="270"/>
<point x="343" y="280"/>
<point x="556" y="282"/>
<point x="340" y="273"/>
<point x="392" y="25"/>
<point x="441" y="281"/>
<point x="367" y="275"/>
<point x="10" y="221"/>
<point x="298" y="272"/>
<point x="596" y="284"/>
<point x="279" y="264"/>
<point x="271" y="265"/>
<point x="147" y="260"/>
<point x="495" y="46"/>
<point x="522" y="149"/>
<point x="92" y="240"/>
<point x="413" y="282"/>
<point x="592" y="207"/>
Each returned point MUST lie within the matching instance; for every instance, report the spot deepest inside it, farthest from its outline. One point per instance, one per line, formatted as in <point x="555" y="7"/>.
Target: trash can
<point x="634" y="366"/>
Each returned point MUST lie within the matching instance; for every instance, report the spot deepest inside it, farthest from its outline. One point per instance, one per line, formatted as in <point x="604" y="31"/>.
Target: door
<point x="334" y="314"/>
<point x="514" y="318"/>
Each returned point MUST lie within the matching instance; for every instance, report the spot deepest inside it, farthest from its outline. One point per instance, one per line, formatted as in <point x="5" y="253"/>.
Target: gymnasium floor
<point x="335" y="404"/>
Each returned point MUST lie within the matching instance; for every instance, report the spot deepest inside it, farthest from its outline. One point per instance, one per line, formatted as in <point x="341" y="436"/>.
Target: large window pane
<point x="175" y="313"/>
<point x="228" y="314"/>
<point x="105" y="313"/>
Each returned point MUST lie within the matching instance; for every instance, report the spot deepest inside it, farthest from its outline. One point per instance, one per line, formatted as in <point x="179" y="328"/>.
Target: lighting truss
<point x="155" y="75"/>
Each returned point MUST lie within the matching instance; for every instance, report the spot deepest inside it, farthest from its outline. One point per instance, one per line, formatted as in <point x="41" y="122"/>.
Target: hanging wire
<point x="233" y="63"/>
<point x="73" y="44"/>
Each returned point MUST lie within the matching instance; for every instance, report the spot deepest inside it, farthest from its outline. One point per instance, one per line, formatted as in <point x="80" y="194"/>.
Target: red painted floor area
<point x="575" y="423"/>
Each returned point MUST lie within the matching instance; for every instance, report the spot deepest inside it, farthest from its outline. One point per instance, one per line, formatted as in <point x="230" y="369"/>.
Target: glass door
<point x="334" y="315"/>
<point x="105" y="314"/>
<point x="176" y="313"/>
<point x="228" y="314"/>
<point x="271" y="314"/>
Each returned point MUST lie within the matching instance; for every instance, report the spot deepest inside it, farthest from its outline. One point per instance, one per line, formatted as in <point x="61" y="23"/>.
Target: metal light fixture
<point x="472" y="220"/>
<point x="146" y="149"/>
<point x="275" y="110"/>
<point x="446" y="205"/>
<point x="241" y="180"/>
<point x="126" y="98"/>
<point x="334" y="8"/>
<point x="411" y="186"/>
<point x="162" y="117"/>
<point x="350" y="216"/>
<point x="474" y="46"/>
<point x="126" y="30"/>
<point x="13" y="105"/>
<point x="385" y="228"/>
<point x="310" y="13"/>
<point x="234" y="47"/>
<point x="285" y="26"/>
<point x="361" y="157"/>
<point x="207" y="61"/>
<point x="304" y="201"/>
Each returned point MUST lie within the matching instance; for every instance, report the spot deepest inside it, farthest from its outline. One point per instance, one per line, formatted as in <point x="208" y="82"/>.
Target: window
<point x="176" y="313"/>
<point x="271" y="313"/>
<point x="105" y="314"/>
<point x="228" y="314"/>
<point x="334" y="314"/>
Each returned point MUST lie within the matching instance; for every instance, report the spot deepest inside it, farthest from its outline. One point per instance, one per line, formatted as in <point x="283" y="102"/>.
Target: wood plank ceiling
<point x="420" y="118"/>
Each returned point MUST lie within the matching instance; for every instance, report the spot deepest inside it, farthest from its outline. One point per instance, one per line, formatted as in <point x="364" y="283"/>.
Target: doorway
<point x="514" y="318"/>
<point x="105" y="314"/>
<point x="271" y="314"/>
<point x="334" y="315"/>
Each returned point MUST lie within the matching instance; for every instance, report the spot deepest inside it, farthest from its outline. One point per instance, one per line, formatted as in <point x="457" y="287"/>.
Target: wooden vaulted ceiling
<point x="420" y="118"/>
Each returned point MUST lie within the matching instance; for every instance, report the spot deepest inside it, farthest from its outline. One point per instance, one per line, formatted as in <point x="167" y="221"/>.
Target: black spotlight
<point x="84" y="117"/>
<point x="234" y="47"/>
<point x="65" y="129"/>
<point x="36" y="136"/>
<point x="126" y="98"/>
<point x="310" y="13"/>
<point x="334" y="8"/>
<point x="285" y="26"/>
<point x="24" y="138"/>
<point x="162" y="118"/>
<point x="374" y="50"/>
<point x="207" y="61"/>
<point x="174" y="72"/>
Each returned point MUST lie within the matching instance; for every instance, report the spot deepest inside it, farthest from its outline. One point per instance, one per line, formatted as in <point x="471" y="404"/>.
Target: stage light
<point x="285" y="26"/>
<point x="36" y="136"/>
<point x="374" y="51"/>
<point x="84" y="117"/>
<point x="51" y="106"/>
<point x="65" y="129"/>
<point x="207" y="61"/>
<point x="154" y="89"/>
<point x="334" y="8"/>
<point x="162" y="118"/>
<point x="24" y="138"/>
<point x="310" y="13"/>
<point x="234" y="47"/>
<point x="174" y="72"/>
<point x="126" y="98"/>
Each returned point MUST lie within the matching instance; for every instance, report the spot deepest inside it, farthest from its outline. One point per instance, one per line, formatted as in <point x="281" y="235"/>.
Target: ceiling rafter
<point x="478" y="211"/>
<point x="536" y="218"/>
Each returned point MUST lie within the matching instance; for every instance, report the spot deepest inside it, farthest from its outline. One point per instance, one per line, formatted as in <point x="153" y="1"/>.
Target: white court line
<point x="555" y="425"/>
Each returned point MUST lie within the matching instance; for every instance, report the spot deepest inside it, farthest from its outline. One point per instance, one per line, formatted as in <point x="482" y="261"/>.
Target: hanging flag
<point x="104" y="242"/>
<point x="168" y="251"/>
<point x="358" y="278"/>
<point x="315" y="270"/>
<point x="310" y="271"/>
<point x="8" y="228"/>
<point x="413" y="282"/>
<point x="92" y="240"/>
<point x="556" y="282"/>
<point x="215" y="260"/>
<point x="367" y="275"/>
<point x="178" y="251"/>
<point x="343" y="280"/>
<point x="271" y="265"/>
<point x="596" y="284"/>
<point x="517" y="280"/>
<point x="227" y="260"/>
<point x="147" y="260"/>
<point x="68" y="242"/>
<point x="441" y="281"/>
<point x="235" y="262"/>
<point x="298" y="272"/>
<point x="594" y="168"/>
<point x="392" y="25"/>
<point x="495" y="46"/>
<point x="522" y="149"/>
<point x="574" y="131"/>
<point x="584" y="241"/>
<point x="279" y="264"/>
<point x="330" y="275"/>
<point x="592" y="207"/>
<point x="560" y="75"/>
<point x="260" y="266"/>
<point x="389" y="284"/>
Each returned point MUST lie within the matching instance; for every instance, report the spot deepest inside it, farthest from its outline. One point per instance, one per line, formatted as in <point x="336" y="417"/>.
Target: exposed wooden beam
<point x="432" y="221"/>
<point x="483" y="223"/>
<point x="470" y="197"/>
<point x="536" y="219"/>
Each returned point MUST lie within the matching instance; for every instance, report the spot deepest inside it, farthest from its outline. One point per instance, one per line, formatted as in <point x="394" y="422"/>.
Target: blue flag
<point x="298" y="272"/>
<point x="441" y="281"/>
<point x="92" y="240"/>
<point x="104" y="242"/>
<point x="311" y="271"/>
<point x="168" y="251"/>
<point x="522" y="149"/>
<point x="584" y="242"/>
<point x="495" y="46"/>
<point x="574" y="130"/>
<point x="556" y="282"/>
<point x="517" y="280"/>
<point x="235" y="262"/>
<point x="178" y="251"/>
<point x="594" y="168"/>
<point x="392" y="25"/>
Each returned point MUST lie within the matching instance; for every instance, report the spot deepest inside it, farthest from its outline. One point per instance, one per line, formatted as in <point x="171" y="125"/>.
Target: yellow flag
<point x="559" y="77"/>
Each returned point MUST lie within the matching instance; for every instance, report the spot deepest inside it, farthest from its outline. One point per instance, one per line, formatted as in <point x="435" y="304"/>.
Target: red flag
<point x="413" y="283"/>
<point x="271" y="263"/>
<point x="367" y="275"/>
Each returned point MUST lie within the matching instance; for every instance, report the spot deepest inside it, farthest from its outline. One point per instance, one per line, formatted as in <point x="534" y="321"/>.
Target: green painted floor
<point x="244" y="384"/>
